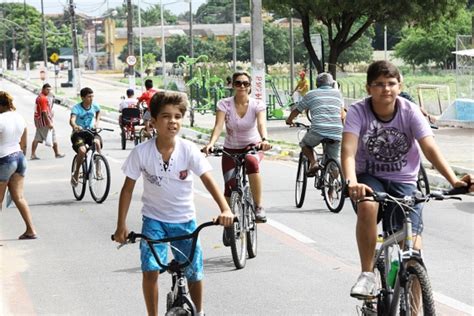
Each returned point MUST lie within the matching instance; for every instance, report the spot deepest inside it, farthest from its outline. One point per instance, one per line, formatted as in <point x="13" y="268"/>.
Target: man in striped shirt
<point x="326" y="108"/>
<point x="44" y="122"/>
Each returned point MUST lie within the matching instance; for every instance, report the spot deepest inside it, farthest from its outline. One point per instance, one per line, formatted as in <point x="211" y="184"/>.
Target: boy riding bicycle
<point x="380" y="152"/>
<point x="84" y="115"/>
<point x="167" y="164"/>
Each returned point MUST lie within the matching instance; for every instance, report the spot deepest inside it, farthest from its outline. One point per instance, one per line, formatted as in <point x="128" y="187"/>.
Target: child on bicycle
<point x="84" y="115"/>
<point x="168" y="164"/>
<point x="380" y="152"/>
<point x="129" y="102"/>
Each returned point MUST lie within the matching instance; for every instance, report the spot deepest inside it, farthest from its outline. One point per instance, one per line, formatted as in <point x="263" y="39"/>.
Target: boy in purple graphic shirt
<point x="381" y="143"/>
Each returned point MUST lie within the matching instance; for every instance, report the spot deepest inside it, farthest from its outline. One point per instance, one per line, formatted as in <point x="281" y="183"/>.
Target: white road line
<point x="290" y="231"/>
<point x="451" y="302"/>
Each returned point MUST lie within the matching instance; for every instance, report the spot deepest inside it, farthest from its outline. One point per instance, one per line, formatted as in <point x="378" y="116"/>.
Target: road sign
<point x="54" y="57"/>
<point x="131" y="60"/>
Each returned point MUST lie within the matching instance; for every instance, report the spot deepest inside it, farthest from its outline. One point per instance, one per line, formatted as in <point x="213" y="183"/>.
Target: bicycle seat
<point x="329" y="141"/>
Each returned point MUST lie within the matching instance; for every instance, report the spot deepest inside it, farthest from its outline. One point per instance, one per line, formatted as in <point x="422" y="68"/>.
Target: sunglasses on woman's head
<point x="239" y="83"/>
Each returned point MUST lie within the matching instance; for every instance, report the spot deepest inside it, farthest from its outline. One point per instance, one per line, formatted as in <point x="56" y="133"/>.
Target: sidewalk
<point x="457" y="144"/>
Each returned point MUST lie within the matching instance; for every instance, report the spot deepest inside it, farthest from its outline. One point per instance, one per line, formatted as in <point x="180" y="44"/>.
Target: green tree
<point x="434" y="44"/>
<point x="148" y="46"/>
<point x="220" y="11"/>
<point x="340" y="19"/>
<point x="149" y="17"/>
<point x="360" y="51"/>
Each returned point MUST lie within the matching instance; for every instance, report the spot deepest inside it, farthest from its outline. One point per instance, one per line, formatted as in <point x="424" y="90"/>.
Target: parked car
<point x="126" y="72"/>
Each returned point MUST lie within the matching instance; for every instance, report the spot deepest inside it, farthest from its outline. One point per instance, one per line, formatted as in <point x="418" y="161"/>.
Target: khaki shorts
<point x="41" y="133"/>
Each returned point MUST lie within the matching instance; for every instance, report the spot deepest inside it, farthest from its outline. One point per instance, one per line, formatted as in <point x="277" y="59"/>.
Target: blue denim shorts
<point x="12" y="163"/>
<point x="392" y="214"/>
<point x="155" y="229"/>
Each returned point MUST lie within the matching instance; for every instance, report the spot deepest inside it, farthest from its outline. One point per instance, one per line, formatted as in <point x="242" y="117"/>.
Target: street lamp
<point x="163" y="53"/>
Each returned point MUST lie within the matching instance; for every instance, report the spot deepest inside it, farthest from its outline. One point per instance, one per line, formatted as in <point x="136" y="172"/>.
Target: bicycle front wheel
<point x="417" y="291"/>
<point x="236" y="232"/>
<point x="79" y="190"/>
<point x="422" y="183"/>
<point x="251" y="224"/>
<point x="333" y="186"/>
<point x="301" y="180"/>
<point x="99" y="178"/>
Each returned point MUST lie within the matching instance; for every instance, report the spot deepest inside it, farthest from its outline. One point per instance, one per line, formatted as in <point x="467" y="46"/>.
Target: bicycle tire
<point x="417" y="275"/>
<point x="301" y="180"/>
<point x="237" y="239"/>
<point x="123" y="138"/>
<point x="99" y="178"/>
<point x="251" y="224"/>
<point x="333" y="186"/>
<point x="422" y="183"/>
<point x="178" y="311"/>
<point x="80" y="190"/>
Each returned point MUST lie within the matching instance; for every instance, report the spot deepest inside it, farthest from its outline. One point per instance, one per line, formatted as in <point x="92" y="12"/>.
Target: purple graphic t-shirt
<point x="388" y="149"/>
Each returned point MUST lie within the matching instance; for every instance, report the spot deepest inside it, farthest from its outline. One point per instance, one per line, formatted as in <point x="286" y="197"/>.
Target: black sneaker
<point x="225" y="239"/>
<point x="260" y="215"/>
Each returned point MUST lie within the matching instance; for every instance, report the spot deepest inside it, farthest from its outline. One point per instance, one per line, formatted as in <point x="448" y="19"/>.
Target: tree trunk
<point x="305" y="22"/>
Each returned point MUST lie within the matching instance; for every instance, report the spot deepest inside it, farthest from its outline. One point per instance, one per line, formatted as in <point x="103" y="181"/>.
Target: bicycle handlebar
<point x="419" y="198"/>
<point x="132" y="237"/>
<point x="218" y="151"/>
<point x="299" y="124"/>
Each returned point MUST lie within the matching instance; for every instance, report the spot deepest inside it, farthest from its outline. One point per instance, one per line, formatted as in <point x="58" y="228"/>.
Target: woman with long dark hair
<point x="12" y="160"/>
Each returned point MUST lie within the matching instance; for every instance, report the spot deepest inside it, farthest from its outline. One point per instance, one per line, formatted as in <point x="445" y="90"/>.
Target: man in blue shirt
<point x="326" y="108"/>
<point x="84" y="115"/>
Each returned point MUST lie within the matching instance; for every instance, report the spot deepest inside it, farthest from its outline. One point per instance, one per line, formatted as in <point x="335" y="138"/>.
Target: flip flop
<point x="26" y="236"/>
<point x="34" y="158"/>
<point x="74" y="182"/>
<point x="60" y="155"/>
<point x="312" y="171"/>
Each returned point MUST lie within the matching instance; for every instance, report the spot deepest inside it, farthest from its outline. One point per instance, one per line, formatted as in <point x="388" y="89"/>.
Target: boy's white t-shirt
<point x="167" y="193"/>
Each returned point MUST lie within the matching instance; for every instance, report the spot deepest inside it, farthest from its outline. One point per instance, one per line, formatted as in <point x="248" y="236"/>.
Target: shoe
<point x="74" y="181"/>
<point x="27" y="236"/>
<point x="225" y="238"/>
<point x="260" y="215"/>
<point x="34" y="158"/>
<point x="60" y="155"/>
<point x="312" y="171"/>
<point x="364" y="288"/>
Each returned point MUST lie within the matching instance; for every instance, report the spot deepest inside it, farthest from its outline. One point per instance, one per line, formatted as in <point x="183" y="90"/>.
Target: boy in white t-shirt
<point x="167" y="164"/>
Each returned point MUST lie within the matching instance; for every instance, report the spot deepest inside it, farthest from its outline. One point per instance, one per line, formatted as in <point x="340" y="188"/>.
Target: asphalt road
<point x="307" y="258"/>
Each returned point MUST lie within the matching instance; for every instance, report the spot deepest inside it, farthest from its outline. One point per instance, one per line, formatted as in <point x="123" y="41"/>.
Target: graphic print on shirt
<point x="388" y="146"/>
<point x="183" y="174"/>
<point x="156" y="180"/>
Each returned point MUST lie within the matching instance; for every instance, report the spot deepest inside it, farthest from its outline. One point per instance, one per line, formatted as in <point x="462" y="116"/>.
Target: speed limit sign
<point x="131" y="60"/>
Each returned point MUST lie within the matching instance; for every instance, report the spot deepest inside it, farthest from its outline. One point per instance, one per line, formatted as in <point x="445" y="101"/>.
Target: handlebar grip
<point x="455" y="191"/>
<point x="112" y="237"/>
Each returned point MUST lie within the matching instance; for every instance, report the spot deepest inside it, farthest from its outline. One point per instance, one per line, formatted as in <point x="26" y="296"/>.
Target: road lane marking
<point x="453" y="303"/>
<point x="291" y="232"/>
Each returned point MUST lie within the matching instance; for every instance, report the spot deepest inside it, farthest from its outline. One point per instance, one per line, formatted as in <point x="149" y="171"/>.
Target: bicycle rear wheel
<point x="236" y="234"/>
<point x="79" y="190"/>
<point x="417" y="291"/>
<point x="251" y="224"/>
<point x="183" y="306"/>
<point x="301" y="180"/>
<point x="99" y="178"/>
<point x="333" y="186"/>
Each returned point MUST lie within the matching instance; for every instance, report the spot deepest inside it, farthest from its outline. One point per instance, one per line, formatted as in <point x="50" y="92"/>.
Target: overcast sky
<point x="97" y="7"/>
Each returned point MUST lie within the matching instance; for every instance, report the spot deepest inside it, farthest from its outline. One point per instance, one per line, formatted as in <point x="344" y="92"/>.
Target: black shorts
<point x="82" y="138"/>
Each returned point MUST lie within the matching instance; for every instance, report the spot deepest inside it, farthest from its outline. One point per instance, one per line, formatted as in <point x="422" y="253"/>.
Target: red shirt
<point x="42" y="105"/>
<point x="146" y="96"/>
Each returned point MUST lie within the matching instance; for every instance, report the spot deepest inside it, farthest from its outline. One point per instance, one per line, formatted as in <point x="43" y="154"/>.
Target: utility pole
<point x="131" y="70"/>
<point x="43" y="25"/>
<point x="292" y="54"/>
<point x="75" y="52"/>
<point x="27" y="44"/>
<point x="258" y="59"/>
<point x="234" y="38"/>
<point x="191" y="36"/>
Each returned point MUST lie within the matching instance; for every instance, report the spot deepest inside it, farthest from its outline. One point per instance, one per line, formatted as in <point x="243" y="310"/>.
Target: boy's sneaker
<point x="260" y="215"/>
<point x="364" y="288"/>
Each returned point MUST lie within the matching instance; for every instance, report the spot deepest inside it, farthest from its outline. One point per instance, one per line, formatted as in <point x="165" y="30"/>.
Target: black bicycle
<point x="178" y="300"/>
<point x="242" y="236"/>
<point x="95" y="170"/>
<point x="403" y="285"/>
<point x="329" y="178"/>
